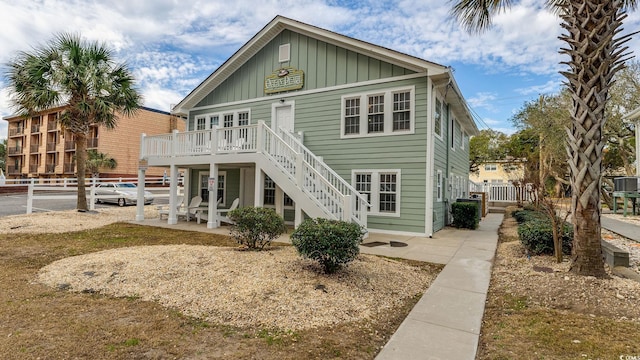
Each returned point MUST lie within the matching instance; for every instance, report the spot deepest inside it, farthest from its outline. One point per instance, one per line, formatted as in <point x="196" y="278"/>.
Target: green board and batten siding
<point x="324" y="65"/>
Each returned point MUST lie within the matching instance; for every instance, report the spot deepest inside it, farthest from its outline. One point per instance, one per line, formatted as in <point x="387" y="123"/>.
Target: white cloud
<point x="174" y="45"/>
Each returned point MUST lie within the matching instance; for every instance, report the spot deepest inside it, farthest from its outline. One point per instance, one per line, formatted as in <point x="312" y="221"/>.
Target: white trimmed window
<point x="490" y="167"/>
<point x="437" y="119"/>
<point x="201" y="122"/>
<point x="381" y="188"/>
<point x="229" y="119"/>
<point x="439" y="185"/>
<point x="269" y="197"/>
<point x="222" y="190"/>
<point x="389" y="112"/>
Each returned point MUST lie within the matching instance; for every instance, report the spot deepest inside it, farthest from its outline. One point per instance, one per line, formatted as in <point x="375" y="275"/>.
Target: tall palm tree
<point x="82" y="75"/>
<point x="97" y="160"/>
<point x="596" y="53"/>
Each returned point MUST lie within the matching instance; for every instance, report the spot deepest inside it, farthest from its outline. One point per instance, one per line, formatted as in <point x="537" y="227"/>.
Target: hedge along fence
<point x="465" y="215"/>
<point x="536" y="233"/>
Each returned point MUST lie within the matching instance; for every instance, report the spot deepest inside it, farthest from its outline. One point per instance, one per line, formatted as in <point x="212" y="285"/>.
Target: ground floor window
<point x="220" y="187"/>
<point x="269" y="197"/>
<point x="381" y="189"/>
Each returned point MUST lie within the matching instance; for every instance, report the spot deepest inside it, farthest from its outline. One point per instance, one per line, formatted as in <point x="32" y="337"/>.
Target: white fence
<point x="67" y="188"/>
<point x="502" y="192"/>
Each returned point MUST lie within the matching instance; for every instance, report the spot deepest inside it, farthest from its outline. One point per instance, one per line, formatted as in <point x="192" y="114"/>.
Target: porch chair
<point x="191" y="209"/>
<point x="225" y="218"/>
<point x="164" y="210"/>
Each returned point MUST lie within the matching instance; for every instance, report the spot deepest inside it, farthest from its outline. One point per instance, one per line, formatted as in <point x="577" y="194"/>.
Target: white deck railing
<point x="322" y="185"/>
<point x="501" y="192"/>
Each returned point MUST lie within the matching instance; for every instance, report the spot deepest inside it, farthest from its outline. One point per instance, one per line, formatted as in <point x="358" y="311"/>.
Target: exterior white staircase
<point x="311" y="183"/>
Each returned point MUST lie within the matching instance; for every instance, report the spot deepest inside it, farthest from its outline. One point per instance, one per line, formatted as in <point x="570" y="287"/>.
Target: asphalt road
<point x="16" y="204"/>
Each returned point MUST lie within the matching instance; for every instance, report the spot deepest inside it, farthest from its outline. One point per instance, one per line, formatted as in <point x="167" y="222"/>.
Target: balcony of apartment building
<point x="92" y="143"/>
<point x="50" y="168"/>
<point x="34" y="148"/>
<point x="69" y="168"/>
<point x="33" y="168"/>
<point x="51" y="146"/>
<point x="15" y="169"/>
<point x="14" y="150"/>
<point x="16" y="131"/>
<point x="69" y="145"/>
<point x="35" y="128"/>
<point x="52" y="125"/>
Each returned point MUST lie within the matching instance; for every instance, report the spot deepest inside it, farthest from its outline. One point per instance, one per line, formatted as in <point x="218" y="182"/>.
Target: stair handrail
<point x="360" y="210"/>
<point x="342" y="209"/>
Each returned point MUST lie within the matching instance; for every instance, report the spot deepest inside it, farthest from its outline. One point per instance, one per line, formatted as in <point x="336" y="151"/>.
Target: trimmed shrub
<point x="524" y="215"/>
<point x="332" y="243"/>
<point x="536" y="235"/>
<point x="255" y="227"/>
<point x="465" y="215"/>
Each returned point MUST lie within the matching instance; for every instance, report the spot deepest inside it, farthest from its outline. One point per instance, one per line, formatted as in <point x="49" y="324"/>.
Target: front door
<point x="283" y="116"/>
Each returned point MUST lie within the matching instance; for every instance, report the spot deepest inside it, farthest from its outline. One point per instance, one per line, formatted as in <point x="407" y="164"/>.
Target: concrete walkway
<point x="630" y="231"/>
<point x="446" y="322"/>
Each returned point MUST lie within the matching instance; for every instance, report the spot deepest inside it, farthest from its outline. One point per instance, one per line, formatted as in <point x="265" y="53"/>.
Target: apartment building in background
<point x="39" y="147"/>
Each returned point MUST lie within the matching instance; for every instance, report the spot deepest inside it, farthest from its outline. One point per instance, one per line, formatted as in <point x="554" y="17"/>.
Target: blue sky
<point x="171" y="46"/>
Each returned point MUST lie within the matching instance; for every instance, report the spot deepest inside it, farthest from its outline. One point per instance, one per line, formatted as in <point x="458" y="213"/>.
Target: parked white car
<point x="122" y="193"/>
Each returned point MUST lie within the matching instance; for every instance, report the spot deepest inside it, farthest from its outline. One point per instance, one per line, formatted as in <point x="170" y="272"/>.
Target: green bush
<point x="536" y="235"/>
<point x="465" y="215"/>
<point x="330" y="242"/>
<point x="255" y="227"/>
<point x="524" y="215"/>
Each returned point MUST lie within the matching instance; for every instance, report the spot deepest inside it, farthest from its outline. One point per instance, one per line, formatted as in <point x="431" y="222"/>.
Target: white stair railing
<point x="359" y="205"/>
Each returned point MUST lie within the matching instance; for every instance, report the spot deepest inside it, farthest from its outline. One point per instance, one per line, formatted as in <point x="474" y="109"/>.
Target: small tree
<point x="332" y="243"/>
<point x="97" y="160"/>
<point x="256" y="227"/>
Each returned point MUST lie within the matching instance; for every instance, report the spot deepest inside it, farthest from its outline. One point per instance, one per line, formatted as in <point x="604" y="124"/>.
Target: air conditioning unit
<point x="626" y="184"/>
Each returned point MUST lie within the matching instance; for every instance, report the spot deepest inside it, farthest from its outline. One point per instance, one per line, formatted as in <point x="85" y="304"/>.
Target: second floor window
<point x="387" y="112"/>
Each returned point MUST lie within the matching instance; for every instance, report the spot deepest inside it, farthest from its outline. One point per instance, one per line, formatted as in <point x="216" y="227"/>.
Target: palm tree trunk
<point x="81" y="165"/>
<point x="595" y="58"/>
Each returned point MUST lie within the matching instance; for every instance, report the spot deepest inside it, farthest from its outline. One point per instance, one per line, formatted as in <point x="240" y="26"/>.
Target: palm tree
<point x="3" y="154"/>
<point x="596" y="55"/>
<point x="82" y="75"/>
<point x="97" y="160"/>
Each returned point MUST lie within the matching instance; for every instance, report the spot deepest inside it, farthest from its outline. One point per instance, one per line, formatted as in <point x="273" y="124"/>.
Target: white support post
<point x="140" y="201"/>
<point x="298" y="216"/>
<point x="214" y="140"/>
<point x="212" y="217"/>
<point x="258" y="188"/>
<point x="92" y="194"/>
<point x="174" y="143"/>
<point x="30" y="196"/>
<point x="299" y="170"/>
<point x="346" y="208"/>
<point x="143" y="146"/>
<point x="172" y="219"/>
<point x="279" y="200"/>
<point x="260" y="136"/>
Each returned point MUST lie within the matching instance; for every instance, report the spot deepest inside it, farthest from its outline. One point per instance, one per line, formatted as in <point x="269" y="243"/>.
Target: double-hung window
<point x="269" y="194"/>
<point x="387" y="112"/>
<point x="381" y="189"/>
